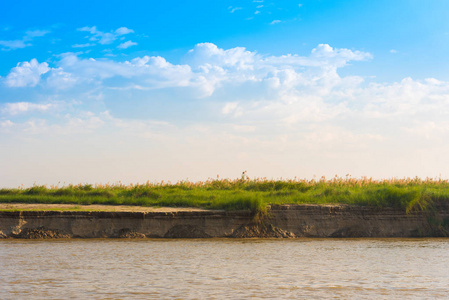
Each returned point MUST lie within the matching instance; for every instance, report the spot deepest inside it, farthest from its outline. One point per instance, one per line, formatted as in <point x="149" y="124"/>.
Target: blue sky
<point x="102" y="91"/>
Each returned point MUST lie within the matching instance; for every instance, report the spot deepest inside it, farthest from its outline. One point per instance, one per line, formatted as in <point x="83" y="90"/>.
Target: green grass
<point x="244" y="194"/>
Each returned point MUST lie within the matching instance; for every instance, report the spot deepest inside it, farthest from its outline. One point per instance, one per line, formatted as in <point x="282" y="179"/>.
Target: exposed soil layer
<point x="282" y="221"/>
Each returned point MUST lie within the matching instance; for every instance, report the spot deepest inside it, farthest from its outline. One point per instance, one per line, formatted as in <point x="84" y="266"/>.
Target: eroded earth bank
<point x="281" y="221"/>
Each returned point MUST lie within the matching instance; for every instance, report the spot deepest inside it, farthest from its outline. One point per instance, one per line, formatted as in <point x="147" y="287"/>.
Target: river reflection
<point x="224" y="268"/>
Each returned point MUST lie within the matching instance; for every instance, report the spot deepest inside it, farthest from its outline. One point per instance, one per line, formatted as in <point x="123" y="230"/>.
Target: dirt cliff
<point x="281" y="221"/>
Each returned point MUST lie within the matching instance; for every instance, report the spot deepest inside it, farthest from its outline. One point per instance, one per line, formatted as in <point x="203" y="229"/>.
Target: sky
<point x="136" y="91"/>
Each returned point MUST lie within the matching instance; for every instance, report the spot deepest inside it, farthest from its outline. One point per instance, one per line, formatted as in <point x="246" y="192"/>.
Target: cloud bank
<point x="223" y="110"/>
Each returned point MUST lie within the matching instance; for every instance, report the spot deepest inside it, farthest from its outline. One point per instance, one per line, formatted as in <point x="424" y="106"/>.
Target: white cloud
<point x="275" y="22"/>
<point x="30" y="34"/>
<point x="126" y="45"/>
<point x="234" y="9"/>
<point x="24" y="107"/>
<point x="24" y="42"/>
<point x="339" y="57"/>
<point x="208" y="56"/>
<point x="92" y="29"/>
<point x="58" y="79"/>
<point x="149" y="72"/>
<point x="105" y="38"/>
<point x="15" y="44"/>
<point x="83" y="45"/>
<point x="123" y="31"/>
<point x="26" y="73"/>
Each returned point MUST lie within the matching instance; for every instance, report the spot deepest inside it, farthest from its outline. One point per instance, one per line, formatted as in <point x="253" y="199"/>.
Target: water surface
<point x="224" y="268"/>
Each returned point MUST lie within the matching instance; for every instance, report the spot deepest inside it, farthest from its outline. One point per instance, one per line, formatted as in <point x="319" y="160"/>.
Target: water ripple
<point x="223" y="268"/>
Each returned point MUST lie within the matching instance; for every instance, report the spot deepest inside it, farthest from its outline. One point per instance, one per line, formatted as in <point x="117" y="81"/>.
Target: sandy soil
<point x="72" y="207"/>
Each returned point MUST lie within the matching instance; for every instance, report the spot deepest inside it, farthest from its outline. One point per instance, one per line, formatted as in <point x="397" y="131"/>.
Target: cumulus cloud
<point x="105" y="38"/>
<point x="26" y="73"/>
<point x="126" y="45"/>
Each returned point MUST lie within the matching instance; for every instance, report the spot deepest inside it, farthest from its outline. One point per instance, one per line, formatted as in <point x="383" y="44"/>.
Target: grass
<point x="410" y="194"/>
<point x="46" y="209"/>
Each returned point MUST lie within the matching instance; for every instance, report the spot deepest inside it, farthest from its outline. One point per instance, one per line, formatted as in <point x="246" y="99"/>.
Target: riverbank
<point x="280" y="221"/>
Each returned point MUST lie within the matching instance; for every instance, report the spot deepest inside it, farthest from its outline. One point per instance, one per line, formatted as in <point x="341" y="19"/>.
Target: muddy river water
<point x="224" y="268"/>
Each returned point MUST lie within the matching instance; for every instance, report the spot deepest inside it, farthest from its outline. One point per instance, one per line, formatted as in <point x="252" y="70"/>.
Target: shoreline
<point x="281" y="221"/>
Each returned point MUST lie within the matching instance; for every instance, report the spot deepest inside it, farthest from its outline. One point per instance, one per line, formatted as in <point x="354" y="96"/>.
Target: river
<point x="224" y="268"/>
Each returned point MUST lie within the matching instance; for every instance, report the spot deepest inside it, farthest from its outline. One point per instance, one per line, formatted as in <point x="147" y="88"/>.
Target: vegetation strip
<point x="244" y="194"/>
